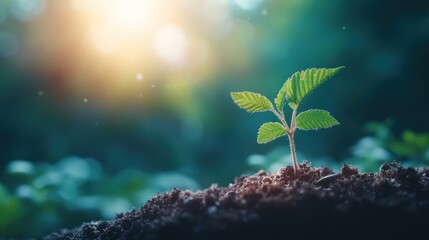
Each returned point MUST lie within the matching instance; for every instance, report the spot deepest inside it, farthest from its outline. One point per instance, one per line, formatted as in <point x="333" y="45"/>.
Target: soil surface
<point x="318" y="204"/>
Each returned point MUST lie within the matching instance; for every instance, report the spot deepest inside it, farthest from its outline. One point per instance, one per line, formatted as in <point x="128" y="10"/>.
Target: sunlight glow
<point x="156" y="43"/>
<point x="133" y="16"/>
<point x="113" y="24"/>
<point x="104" y="40"/>
<point x="170" y="44"/>
<point x="158" y="33"/>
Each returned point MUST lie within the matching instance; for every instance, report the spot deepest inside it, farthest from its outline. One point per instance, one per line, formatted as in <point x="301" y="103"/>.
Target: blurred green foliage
<point x="411" y="148"/>
<point x="36" y="199"/>
<point x="368" y="153"/>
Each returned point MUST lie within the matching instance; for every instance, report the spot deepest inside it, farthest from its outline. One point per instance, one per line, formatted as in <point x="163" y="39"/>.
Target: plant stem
<point x="292" y="141"/>
<point x="282" y="119"/>
<point x="290" y="132"/>
<point x="292" y="151"/>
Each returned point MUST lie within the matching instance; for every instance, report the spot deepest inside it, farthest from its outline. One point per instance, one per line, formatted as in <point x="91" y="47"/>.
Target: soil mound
<point x="317" y="204"/>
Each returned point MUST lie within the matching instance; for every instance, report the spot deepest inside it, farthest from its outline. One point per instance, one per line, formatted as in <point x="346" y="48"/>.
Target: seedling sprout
<point x="294" y="90"/>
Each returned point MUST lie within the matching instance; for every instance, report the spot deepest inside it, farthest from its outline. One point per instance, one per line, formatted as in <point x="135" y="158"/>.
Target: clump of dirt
<point x="316" y="204"/>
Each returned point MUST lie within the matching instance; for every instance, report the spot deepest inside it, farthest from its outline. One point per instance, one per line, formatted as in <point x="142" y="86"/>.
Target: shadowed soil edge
<point x="393" y="203"/>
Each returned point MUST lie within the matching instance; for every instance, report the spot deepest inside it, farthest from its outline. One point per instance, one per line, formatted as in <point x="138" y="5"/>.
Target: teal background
<point x="83" y="138"/>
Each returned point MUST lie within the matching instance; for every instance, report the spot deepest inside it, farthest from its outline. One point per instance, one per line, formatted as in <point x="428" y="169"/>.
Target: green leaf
<point x="302" y="83"/>
<point x="315" y="119"/>
<point x="252" y="102"/>
<point x="270" y="131"/>
<point x="281" y="96"/>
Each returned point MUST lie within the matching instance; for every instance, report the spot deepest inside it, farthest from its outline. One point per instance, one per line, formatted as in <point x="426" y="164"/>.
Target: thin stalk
<point x="290" y="132"/>
<point x="292" y="150"/>
<point x="292" y="141"/>
<point x="282" y="119"/>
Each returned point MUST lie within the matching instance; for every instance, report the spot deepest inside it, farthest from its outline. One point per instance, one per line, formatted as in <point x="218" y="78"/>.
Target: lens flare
<point x="170" y="44"/>
<point x="104" y="45"/>
<point x="134" y="17"/>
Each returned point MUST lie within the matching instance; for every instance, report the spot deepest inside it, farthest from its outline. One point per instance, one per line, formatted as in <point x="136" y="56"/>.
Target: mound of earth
<point x="316" y="204"/>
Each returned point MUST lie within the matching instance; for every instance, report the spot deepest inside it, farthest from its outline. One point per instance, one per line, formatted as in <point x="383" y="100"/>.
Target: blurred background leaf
<point x="107" y="102"/>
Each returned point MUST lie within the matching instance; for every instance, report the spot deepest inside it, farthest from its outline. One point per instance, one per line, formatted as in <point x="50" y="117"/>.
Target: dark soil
<point x="318" y="204"/>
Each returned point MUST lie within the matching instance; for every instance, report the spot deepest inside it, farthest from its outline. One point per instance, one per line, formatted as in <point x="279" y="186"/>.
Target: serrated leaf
<point x="251" y="102"/>
<point x="270" y="131"/>
<point x="281" y="96"/>
<point x="315" y="119"/>
<point x="303" y="82"/>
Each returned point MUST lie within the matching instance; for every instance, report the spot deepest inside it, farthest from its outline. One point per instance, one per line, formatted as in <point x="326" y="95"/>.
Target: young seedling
<point x="294" y="90"/>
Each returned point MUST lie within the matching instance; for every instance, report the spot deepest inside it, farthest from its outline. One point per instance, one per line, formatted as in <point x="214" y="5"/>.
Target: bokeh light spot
<point x="256" y="159"/>
<point x="20" y="167"/>
<point x="136" y="16"/>
<point x="25" y="191"/>
<point x="26" y="9"/>
<point x="170" y="44"/>
<point x="248" y="4"/>
<point x="214" y="16"/>
<point x="139" y="76"/>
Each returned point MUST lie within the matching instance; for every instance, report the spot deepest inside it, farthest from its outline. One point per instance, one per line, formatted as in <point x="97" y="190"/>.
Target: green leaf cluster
<point x="293" y="92"/>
